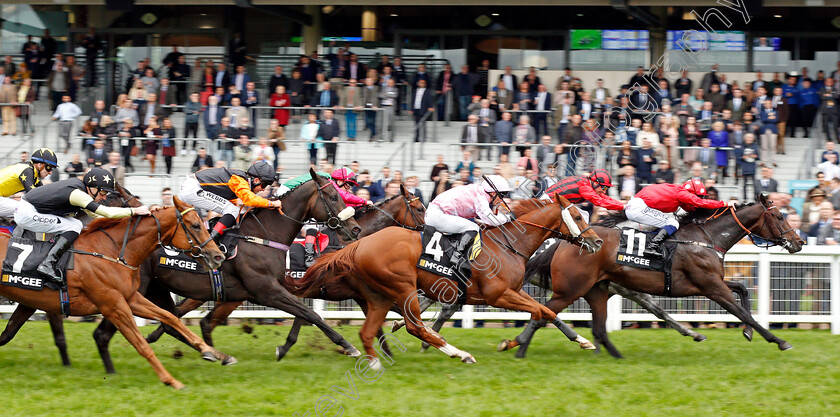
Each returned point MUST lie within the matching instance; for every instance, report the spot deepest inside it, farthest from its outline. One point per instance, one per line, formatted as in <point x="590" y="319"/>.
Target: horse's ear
<point x="557" y="198"/>
<point x="762" y="198"/>
<point x="313" y="174"/>
<point x="403" y="190"/>
<point x="179" y="204"/>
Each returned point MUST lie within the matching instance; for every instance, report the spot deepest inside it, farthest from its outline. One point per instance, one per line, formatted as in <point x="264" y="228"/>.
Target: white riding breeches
<point x="28" y="218"/>
<point x="8" y="206"/>
<point x="637" y="211"/>
<point x="192" y="193"/>
<point x="447" y="223"/>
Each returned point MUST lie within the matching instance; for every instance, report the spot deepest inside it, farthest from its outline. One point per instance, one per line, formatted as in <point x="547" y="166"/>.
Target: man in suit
<point x="388" y="96"/>
<point x="411" y="184"/>
<point x="237" y="50"/>
<point x="167" y="95"/>
<point x="443" y="86"/>
<point x="709" y="79"/>
<point x="766" y="184"/>
<point x="329" y="131"/>
<point x="115" y="167"/>
<point x="823" y="229"/>
<point x="252" y="98"/>
<point x="421" y="103"/>
<point x="600" y="94"/>
<point x="738" y="105"/>
<point x="683" y="85"/>
<point x="473" y="133"/>
<point x="563" y="115"/>
<point x="355" y="69"/>
<point x="222" y="76"/>
<point x="828" y="109"/>
<point x="511" y="82"/>
<point x="213" y="116"/>
<point x="421" y="74"/>
<point x="325" y="98"/>
<point x="98" y="155"/>
<point x="236" y="113"/>
<point x="277" y="79"/>
<point x="504" y="96"/>
<point x="370" y="102"/>
<point x="202" y="160"/>
<point x="782" y="107"/>
<point x="759" y="81"/>
<point x="240" y="79"/>
<point x="152" y="108"/>
<point x="542" y="105"/>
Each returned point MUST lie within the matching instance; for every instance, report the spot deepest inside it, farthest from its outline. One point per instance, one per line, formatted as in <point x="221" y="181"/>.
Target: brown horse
<point x="383" y="267"/>
<point x="101" y="282"/>
<point x="403" y="210"/>
<point x="120" y="197"/>
<point x="255" y="273"/>
<point x="701" y="243"/>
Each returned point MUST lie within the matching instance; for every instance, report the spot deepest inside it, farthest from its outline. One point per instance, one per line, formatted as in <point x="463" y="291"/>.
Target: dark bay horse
<point x="403" y="210"/>
<point x="698" y="268"/>
<point x="256" y="272"/>
<point x="383" y="267"/>
<point x="120" y="197"/>
<point x="105" y="284"/>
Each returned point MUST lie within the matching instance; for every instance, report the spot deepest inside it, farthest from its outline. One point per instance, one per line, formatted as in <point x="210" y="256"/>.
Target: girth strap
<point x="217" y="285"/>
<point x="64" y="300"/>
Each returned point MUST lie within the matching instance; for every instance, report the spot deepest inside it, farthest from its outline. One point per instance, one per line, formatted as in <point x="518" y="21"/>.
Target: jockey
<point x="52" y="209"/>
<point x="451" y="210"/>
<point x="23" y="176"/>
<point x="215" y="188"/>
<point x="650" y="205"/>
<point x="592" y="188"/>
<point x="344" y="179"/>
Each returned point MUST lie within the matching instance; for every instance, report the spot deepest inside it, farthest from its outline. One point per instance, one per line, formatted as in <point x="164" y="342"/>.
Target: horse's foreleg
<point x="721" y="294"/>
<point x="21" y="314"/>
<point x="446" y="313"/>
<point x="291" y="339"/>
<point x="377" y="310"/>
<point x="102" y="336"/>
<point x="115" y="309"/>
<point x="421" y="332"/>
<point x="185" y="306"/>
<point x="744" y="296"/>
<point x="216" y="316"/>
<point x="597" y="298"/>
<point x="647" y="302"/>
<point x="380" y="335"/>
<point x="57" y="327"/>
<point x="142" y="307"/>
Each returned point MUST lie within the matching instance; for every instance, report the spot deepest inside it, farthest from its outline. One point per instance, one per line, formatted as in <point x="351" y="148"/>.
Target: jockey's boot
<point x="654" y="246"/>
<point x="47" y="268"/>
<point x="309" y="247"/>
<point x="458" y="262"/>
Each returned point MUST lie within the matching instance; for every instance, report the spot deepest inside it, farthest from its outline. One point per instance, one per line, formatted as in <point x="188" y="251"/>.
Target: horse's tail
<point x="540" y="267"/>
<point x="332" y="266"/>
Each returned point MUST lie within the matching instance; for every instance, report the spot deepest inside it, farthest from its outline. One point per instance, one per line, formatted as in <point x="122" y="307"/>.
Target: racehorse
<point x="120" y="197"/>
<point x="105" y="277"/>
<point x="383" y="267"/>
<point x="701" y="242"/>
<point x="255" y="273"/>
<point x="404" y="210"/>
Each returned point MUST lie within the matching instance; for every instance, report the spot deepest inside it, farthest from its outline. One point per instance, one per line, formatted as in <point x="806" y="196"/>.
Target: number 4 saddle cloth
<point x="438" y="250"/>
<point x="25" y="252"/>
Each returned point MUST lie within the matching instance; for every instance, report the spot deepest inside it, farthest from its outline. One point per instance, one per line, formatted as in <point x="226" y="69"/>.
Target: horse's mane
<point x="524" y="207"/>
<point x="361" y="211"/>
<point x="104" y="223"/>
<point x="611" y="220"/>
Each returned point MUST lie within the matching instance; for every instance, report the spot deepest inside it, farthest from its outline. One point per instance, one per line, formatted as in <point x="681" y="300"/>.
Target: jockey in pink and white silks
<point x="344" y="179"/>
<point x="451" y="211"/>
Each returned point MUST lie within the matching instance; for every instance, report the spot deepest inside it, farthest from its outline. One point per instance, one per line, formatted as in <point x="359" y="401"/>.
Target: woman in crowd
<point x="280" y="99"/>
<point x="627" y="156"/>
<point x="152" y="132"/>
<point x="166" y="133"/>
<point x="309" y="134"/>
<point x="138" y="93"/>
<point x="692" y="135"/>
<point x="441" y="185"/>
<point x="276" y="135"/>
<point x="720" y="139"/>
<point x="25" y="94"/>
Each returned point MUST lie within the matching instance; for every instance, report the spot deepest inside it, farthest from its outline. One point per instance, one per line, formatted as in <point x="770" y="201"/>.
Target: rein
<point x="333" y="222"/>
<point x="418" y="225"/>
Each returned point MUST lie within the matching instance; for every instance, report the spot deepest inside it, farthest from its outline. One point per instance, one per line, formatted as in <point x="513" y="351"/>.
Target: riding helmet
<point x="346" y="175"/>
<point x="44" y="156"/>
<point x="695" y="187"/>
<point x="99" y="178"/>
<point x="601" y="177"/>
<point x="264" y="171"/>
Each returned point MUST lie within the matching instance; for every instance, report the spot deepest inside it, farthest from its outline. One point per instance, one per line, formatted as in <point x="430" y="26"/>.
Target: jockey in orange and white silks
<point x="451" y="211"/>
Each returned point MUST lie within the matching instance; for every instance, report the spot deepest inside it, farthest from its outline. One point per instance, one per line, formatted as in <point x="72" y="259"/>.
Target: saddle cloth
<point x="438" y="250"/>
<point x="23" y="255"/>
<point x="326" y="241"/>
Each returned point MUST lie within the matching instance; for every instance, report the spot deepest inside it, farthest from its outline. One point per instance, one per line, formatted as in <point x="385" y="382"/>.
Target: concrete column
<point x="312" y="34"/>
<point x="658" y="35"/>
<point x="370" y="27"/>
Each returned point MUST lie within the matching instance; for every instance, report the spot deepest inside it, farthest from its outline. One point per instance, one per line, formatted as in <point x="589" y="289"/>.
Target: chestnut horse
<point x="701" y="243"/>
<point x="383" y="267"/>
<point x="120" y="197"/>
<point x="256" y="273"/>
<point x="105" y="278"/>
<point x="403" y="210"/>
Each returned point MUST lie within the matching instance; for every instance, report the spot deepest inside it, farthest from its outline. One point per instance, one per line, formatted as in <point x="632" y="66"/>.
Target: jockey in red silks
<point x="592" y="188"/>
<point x="344" y="179"/>
<point x="650" y="205"/>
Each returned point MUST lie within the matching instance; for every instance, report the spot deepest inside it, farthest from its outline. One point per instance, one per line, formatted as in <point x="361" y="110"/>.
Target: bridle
<point x="781" y="240"/>
<point x="418" y="223"/>
<point x="335" y="220"/>
<point x="576" y="235"/>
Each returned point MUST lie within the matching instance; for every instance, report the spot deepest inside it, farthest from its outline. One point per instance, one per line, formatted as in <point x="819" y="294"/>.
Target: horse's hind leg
<point x="597" y="298"/>
<point x="144" y="308"/>
<point x="377" y="309"/>
<point x="744" y="296"/>
<point x="217" y="315"/>
<point x="424" y="305"/>
<point x="521" y="301"/>
<point x="291" y="339"/>
<point x="185" y="306"/>
<point x="380" y="335"/>
<point x="721" y="294"/>
<point x="446" y="313"/>
<point x="21" y="314"/>
<point x="57" y="327"/>
<point x="647" y="302"/>
<point x="415" y="327"/>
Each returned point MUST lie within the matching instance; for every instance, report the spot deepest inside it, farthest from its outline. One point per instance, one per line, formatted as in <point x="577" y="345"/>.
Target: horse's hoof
<point x="748" y="334"/>
<point x="503" y="345"/>
<point x="279" y="352"/>
<point x="785" y="346"/>
<point x="584" y="343"/>
<point x="398" y="324"/>
<point x="230" y="360"/>
<point x="699" y="337"/>
<point x="208" y="356"/>
<point x="375" y="364"/>
<point x="468" y="359"/>
<point x="352" y="352"/>
<point x="424" y="346"/>
<point x="176" y="384"/>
